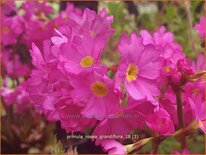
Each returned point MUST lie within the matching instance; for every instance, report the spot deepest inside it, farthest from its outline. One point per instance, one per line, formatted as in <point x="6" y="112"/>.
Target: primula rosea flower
<point x="195" y="96"/>
<point x="160" y="122"/>
<point x="36" y="22"/>
<point x="12" y="27"/>
<point x="126" y="119"/>
<point x="97" y="90"/>
<point x="69" y="114"/>
<point x="174" y="64"/>
<point x="139" y="68"/>
<point x="199" y="64"/>
<point x="168" y="102"/>
<point x="46" y="84"/>
<point x="185" y="151"/>
<point x="165" y="40"/>
<point x="201" y="27"/>
<point x="8" y="8"/>
<point x="17" y="96"/>
<point x="113" y="147"/>
<point x="12" y="65"/>
<point x="82" y="53"/>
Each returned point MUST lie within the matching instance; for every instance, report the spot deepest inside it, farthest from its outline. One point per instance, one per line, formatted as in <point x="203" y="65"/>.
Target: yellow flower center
<point x="196" y="91"/>
<point x="204" y="77"/>
<point x="167" y="69"/>
<point x="132" y="72"/>
<point x="92" y="34"/>
<point x="99" y="89"/>
<point x="87" y="61"/>
<point x="200" y="123"/>
<point x="6" y="30"/>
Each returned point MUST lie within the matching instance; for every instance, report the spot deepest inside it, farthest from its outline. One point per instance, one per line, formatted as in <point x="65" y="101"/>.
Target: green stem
<point x="155" y="146"/>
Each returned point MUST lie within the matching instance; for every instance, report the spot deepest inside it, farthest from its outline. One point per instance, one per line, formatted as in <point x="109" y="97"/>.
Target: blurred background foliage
<point x="36" y="135"/>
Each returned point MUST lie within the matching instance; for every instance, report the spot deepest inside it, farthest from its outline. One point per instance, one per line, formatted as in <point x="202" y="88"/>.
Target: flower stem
<point x="180" y="116"/>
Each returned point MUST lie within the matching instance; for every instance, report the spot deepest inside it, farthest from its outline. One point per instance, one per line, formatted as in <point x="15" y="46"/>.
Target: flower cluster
<point x="69" y="84"/>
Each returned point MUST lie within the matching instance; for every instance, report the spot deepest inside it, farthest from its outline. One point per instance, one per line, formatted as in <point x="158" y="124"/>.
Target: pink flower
<point x="199" y="64"/>
<point x="168" y="102"/>
<point x="161" y="122"/>
<point x="126" y="119"/>
<point x="8" y="8"/>
<point x="185" y="151"/>
<point x="46" y="84"/>
<point x="195" y="97"/>
<point x="12" y="65"/>
<point x="17" y="96"/>
<point x="165" y="40"/>
<point x="36" y="22"/>
<point x="139" y="68"/>
<point x="36" y="10"/>
<point x="69" y="114"/>
<point x="81" y="54"/>
<point x="12" y="27"/>
<point x="113" y="147"/>
<point x="97" y="90"/>
<point x="201" y="27"/>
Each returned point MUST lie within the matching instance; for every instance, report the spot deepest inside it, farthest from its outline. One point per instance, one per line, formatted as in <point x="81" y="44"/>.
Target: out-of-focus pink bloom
<point x="168" y="102"/>
<point x="98" y="28"/>
<point x="81" y="54"/>
<point x="139" y="68"/>
<point x="185" y="151"/>
<point x="113" y="147"/>
<point x="201" y="27"/>
<point x="36" y="22"/>
<point x="165" y="40"/>
<point x="36" y="10"/>
<point x="12" y="27"/>
<point x="17" y="96"/>
<point x="8" y="8"/>
<point x="86" y="23"/>
<point x="199" y="64"/>
<point x="161" y="122"/>
<point x="69" y="114"/>
<point x="12" y="65"/>
<point x="97" y="90"/>
<point x="195" y="96"/>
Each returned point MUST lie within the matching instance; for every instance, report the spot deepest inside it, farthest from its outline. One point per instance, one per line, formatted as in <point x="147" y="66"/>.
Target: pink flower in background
<point x="36" y="22"/>
<point x="169" y="48"/>
<point x="161" y="122"/>
<point x="36" y="10"/>
<point x="12" y="27"/>
<point x="139" y="68"/>
<point x="185" y="151"/>
<point x="199" y="64"/>
<point x="18" y="97"/>
<point x="201" y="27"/>
<point x="98" y="91"/>
<point x="195" y="97"/>
<point x="12" y="65"/>
<point x="8" y="8"/>
<point x="98" y="28"/>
